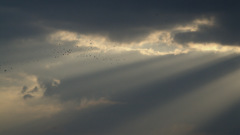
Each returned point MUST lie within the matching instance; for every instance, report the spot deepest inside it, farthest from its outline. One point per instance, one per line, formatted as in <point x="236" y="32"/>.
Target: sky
<point x="111" y="67"/>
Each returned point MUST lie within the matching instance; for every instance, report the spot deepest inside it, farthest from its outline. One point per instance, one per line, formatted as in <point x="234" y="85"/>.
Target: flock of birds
<point x="85" y="52"/>
<point x="60" y="51"/>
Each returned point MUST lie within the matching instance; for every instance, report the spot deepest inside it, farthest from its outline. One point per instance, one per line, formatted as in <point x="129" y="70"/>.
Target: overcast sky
<point x="111" y="67"/>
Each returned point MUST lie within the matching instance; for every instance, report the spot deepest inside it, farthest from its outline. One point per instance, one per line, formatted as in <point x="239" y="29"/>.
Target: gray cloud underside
<point x="122" y="21"/>
<point x="27" y="96"/>
<point x="24" y="89"/>
<point x="225" y="31"/>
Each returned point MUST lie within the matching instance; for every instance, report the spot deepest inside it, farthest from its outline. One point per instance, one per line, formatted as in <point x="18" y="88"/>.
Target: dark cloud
<point x="49" y="85"/>
<point x="225" y="31"/>
<point x="122" y="21"/>
<point x="27" y="96"/>
<point x="24" y="89"/>
<point x="17" y="24"/>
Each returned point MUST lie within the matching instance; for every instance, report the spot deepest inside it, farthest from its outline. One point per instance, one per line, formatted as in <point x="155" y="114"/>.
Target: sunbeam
<point x="116" y="67"/>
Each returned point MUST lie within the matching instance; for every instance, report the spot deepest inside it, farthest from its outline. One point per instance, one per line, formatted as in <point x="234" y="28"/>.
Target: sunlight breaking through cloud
<point x="119" y="67"/>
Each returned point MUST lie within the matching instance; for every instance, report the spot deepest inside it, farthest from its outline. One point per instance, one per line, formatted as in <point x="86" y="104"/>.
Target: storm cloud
<point x="121" y="21"/>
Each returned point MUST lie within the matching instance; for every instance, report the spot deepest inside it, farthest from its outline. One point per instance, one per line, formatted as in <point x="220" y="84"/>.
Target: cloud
<point x="35" y="89"/>
<point x="55" y="82"/>
<point x="224" y="31"/>
<point x="18" y="25"/>
<point x="121" y="21"/>
<point x="24" y="89"/>
<point x="48" y="85"/>
<point x="27" y="96"/>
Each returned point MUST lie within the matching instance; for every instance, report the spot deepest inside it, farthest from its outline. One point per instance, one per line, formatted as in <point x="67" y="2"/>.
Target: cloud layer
<point x="121" y="21"/>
